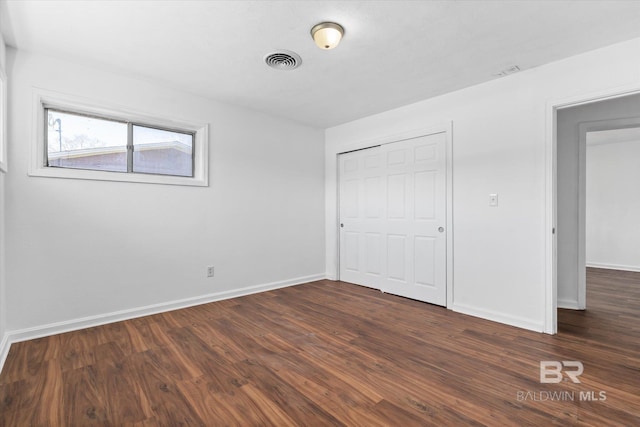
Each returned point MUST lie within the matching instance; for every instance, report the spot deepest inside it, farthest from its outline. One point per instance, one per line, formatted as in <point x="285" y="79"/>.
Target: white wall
<point x="570" y="187"/>
<point x="78" y="250"/>
<point x="613" y="205"/>
<point x="499" y="143"/>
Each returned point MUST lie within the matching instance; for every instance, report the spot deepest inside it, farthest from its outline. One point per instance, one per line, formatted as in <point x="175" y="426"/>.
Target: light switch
<point x="493" y="200"/>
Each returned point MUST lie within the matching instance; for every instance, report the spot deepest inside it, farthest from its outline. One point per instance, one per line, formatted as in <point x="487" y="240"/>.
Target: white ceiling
<point x="393" y="52"/>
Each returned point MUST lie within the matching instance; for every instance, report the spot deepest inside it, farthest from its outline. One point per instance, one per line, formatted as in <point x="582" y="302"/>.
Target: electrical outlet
<point x="209" y="271"/>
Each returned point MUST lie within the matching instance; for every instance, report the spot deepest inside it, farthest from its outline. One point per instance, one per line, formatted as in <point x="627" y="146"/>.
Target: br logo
<point x="551" y="370"/>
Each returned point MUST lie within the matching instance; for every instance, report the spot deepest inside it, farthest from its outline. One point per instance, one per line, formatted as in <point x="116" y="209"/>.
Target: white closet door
<point x="393" y="218"/>
<point x="414" y="171"/>
<point x="361" y="217"/>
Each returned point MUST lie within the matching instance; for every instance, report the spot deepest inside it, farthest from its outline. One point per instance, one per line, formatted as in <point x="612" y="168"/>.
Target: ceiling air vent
<point x="283" y="60"/>
<point x="509" y="70"/>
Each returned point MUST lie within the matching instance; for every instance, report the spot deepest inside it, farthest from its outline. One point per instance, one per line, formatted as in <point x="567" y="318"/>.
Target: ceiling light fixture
<point x="327" y="35"/>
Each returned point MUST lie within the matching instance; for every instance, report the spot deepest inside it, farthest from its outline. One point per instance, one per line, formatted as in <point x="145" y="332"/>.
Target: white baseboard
<point x="613" y="266"/>
<point x="117" y="316"/>
<point x="569" y="304"/>
<point x="519" y="322"/>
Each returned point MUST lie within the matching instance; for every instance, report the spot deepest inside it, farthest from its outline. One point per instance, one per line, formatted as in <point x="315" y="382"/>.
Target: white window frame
<point x="43" y="99"/>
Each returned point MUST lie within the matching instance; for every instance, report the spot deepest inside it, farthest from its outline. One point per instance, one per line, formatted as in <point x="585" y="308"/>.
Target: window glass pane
<point x="81" y="142"/>
<point x="162" y="152"/>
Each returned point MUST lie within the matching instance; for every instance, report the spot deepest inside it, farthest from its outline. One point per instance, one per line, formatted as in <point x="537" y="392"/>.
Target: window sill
<point x="49" y="172"/>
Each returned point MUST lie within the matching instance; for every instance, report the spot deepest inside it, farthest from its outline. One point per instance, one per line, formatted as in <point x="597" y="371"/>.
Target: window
<point x="78" y="140"/>
<point x="162" y="151"/>
<point x="83" y="142"/>
<point x="96" y="143"/>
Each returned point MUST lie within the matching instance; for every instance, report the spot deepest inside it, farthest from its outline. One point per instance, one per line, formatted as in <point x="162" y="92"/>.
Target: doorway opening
<point x="593" y="144"/>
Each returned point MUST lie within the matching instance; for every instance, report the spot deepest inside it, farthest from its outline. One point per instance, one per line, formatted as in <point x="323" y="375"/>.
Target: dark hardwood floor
<point x="330" y="353"/>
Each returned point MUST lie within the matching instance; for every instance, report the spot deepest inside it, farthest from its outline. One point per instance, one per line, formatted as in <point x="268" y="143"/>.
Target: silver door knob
<point x="441" y="229"/>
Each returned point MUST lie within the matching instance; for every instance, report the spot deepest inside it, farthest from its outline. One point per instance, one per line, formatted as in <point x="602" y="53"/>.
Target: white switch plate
<point x="493" y="200"/>
<point x="210" y="271"/>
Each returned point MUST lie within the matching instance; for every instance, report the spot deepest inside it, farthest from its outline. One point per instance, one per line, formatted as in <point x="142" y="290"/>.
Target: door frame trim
<point x="444" y="127"/>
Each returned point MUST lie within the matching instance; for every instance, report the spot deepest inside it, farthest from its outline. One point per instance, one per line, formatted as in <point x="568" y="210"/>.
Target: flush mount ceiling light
<point x="327" y="35"/>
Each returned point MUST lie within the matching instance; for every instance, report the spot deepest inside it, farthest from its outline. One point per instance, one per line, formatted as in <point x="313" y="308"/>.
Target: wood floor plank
<point x="12" y="410"/>
<point x="162" y="398"/>
<point x="331" y="353"/>
<point x="77" y="348"/>
<point x="343" y="403"/>
<point x="285" y="396"/>
<point x="114" y="383"/>
<point x="83" y="403"/>
<point x="217" y="368"/>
